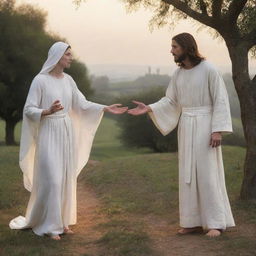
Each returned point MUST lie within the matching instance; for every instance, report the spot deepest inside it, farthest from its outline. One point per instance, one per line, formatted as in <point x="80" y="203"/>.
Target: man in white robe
<point x="58" y="128"/>
<point x="196" y="99"/>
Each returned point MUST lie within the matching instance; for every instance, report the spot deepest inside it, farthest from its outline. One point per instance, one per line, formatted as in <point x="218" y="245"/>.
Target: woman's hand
<point x="215" y="139"/>
<point x="140" y="109"/>
<point x="115" y="109"/>
<point x="56" y="106"/>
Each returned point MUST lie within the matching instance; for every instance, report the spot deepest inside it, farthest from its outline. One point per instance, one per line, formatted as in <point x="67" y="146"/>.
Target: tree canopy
<point x="24" y="46"/>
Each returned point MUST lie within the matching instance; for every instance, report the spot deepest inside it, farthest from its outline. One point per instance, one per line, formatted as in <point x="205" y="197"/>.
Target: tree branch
<point x="203" y="7"/>
<point x="251" y="38"/>
<point x="201" y="17"/>
<point x="216" y="8"/>
<point x="235" y="8"/>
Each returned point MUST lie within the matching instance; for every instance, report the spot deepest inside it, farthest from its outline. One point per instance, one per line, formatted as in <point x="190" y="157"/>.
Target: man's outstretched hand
<point x="116" y="109"/>
<point x="140" y="109"/>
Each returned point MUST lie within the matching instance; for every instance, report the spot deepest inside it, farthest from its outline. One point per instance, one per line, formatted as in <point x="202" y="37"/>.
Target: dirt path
<point x="88" y="218"/>
<point x="167" y="243"/>
<point x="162" y="231"/>
<point x="163" y="234"/>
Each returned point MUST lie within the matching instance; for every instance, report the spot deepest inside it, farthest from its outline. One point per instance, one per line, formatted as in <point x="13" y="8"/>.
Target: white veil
<point x="54" y="55"/>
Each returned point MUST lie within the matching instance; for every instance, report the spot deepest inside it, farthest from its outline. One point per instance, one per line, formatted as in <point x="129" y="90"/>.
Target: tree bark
<point x="246" y="90"/>
<point x="9" y="132"/>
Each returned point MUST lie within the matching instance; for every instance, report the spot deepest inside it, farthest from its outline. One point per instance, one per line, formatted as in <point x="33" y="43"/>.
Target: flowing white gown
<point x="197" y="101"/>
<point x="54" y="149"/>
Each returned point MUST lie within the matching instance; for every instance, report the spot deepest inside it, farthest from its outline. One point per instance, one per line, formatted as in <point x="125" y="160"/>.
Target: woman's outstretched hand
<point x="116" y="109"/>
<point x="140" y="109"/>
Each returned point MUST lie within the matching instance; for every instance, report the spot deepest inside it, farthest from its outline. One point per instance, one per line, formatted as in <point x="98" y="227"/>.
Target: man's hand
<point x="56" y="106"/>
<point x="115" y="109"/>
<point x="140" y="109"/>
<point x="215" y="139"/>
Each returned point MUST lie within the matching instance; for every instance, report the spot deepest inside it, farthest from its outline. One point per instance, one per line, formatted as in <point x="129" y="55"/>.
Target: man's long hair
<point x="189" y="45"/>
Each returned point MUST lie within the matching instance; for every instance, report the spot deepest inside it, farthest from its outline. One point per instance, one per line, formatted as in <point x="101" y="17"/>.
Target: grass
<point x="14" y="199"/>
<point x="132" y="243"/>
<point x="147" y="185"/>
<point x="139" y="184"/>
<point x="132" y="185"/>
<point x="106" y="144"/>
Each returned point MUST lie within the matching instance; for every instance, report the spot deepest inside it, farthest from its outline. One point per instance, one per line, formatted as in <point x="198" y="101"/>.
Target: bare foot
<point x="213" y="233"/>
<point x="55" y="237"/>
<point x="185" y="231"/>
<point x="68" y="231"/>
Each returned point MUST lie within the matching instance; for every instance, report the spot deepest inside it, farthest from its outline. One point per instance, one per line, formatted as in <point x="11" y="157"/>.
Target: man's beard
<point x="180" y="58"/>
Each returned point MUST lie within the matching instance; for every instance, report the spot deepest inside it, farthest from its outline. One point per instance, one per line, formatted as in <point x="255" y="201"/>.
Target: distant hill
<point x="117" y="73"/>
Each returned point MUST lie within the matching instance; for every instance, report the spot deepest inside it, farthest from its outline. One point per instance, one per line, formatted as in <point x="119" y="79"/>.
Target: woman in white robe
<point x="58" y="128"/>
<point x="197" y="101"/>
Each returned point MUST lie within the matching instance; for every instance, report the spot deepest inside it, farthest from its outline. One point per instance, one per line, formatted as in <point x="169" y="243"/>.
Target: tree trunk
<point x="248" y="110"/>
<point x="246" y="90"/>
<point x="9" y="132"/>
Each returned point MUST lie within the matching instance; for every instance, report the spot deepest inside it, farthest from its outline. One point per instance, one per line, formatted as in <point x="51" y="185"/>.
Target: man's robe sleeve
<point x="166" y="112"/>
<point x="221" y="119"/>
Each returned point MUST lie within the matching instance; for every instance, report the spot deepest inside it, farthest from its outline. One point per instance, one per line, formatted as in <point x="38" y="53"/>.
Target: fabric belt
<point x="188" y="116"/>
<point x="62" y="115"/>
<point x="66" y="120"/>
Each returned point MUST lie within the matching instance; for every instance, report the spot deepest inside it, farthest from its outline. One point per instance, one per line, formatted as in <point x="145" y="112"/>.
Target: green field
<point x="138" y="195"/>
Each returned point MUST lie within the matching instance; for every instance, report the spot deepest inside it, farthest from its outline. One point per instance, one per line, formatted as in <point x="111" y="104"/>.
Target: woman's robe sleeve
<point x="29" y="130"/>
<point x="221" y="119"/>
<point x="86" y="117"/>
<point x="166" y="112"/>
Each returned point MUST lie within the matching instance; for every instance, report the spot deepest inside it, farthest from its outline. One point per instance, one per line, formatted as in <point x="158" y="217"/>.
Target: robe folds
<point x="53" y="150"/>
<point x="197" y="101"/>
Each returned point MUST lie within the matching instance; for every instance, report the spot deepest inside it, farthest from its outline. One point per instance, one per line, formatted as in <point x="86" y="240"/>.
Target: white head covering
<point x="55" y="53"/>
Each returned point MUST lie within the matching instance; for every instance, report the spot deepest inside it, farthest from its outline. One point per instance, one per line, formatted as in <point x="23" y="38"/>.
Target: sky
<point x="103" y="34"/>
